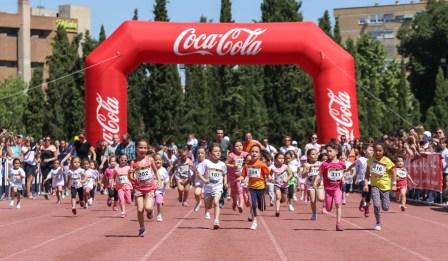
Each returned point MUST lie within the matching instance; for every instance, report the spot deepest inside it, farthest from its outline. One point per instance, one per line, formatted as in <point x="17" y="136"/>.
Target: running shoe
<point x="81" y="204"/>
<point x="141" y="232"/>
<point x="149" y="214"/>
<point x="216" y="224"/>
<point x="344" y="202"/>
<point x="74" y="211"/>
<point x="234" y="207"/>
<point x="294" y="197"/>
<point x="277" y="214"/>
<point x="313" y="217"/>
<point x="290" y="208"/>
<point x="339" y="227"/>
<point x="159" y="218"/>
<point x="11" y="204"/>
<point x="377" y="227"/>
<point x="90" y="201"/>
<point x="271" y="204"/>
<point x="197" y="207"/>
<point x="324" y="211"/>
<point x="46" y="197"/>
<point x="240" y="209"/>
<point x="123" y="214"/>
<point x="366" y="211"/>
<point x="250" y="218"/>
<point x="109" y="202"/>
<point x="361" y="206"/>
<point x="254" y="225"/>
<point x="18" y="205"/>
<point x="403" y="208"/>
<point x="207" y="215"/>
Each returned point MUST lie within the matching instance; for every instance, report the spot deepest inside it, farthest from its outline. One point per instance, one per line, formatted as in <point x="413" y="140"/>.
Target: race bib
<point x="335" y="174"/>
<point x="239" y="163"/>
<point x="314" y="171"/>
<point x="76" y="183"/>
<point x="123" y="179"/>
<point x="254" y="172"/>
<point x="144" y="175"/>
<point x="402" y="173"/>
<point x="183" y="171"/>
<point x="215" y="175"/>
<point x="281" y="178"/>
<point x="378" y="169"/>
<point x="347" y="174"/>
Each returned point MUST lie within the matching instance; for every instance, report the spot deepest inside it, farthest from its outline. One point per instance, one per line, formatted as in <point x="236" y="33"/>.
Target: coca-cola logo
<point x="339" y="108"/>
<point x="236" y="41"/>
<point x="107" y="116"/>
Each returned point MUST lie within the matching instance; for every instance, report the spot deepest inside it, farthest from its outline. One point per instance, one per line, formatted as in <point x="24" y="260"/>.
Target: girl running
<point x="380" y="171"/>
<point x="348" y="177"/>
<point x="16" y="178"/>
<point x="235" y="162"/>
<point x="402" y="183"/>
<point x="258" y="172"/>
<point x="56" y="174"/>
<point x="311" y="172"/>
<point x="215" y="179"/>
<point x="293" y="167"/>
<point x="96" y="180"/>
<point x="109" y="182"/>
<point x="75" y="175"/>
<point x="280" y="176"/>
<point x="332" y="172"/>
<point x="182" y="173"/>
<point x="143" y="175"/>
<point x="361" y="169"/>
<point x="161" y="185"/>
<point x="198" y="183"/>
<point x="123" y="186"/>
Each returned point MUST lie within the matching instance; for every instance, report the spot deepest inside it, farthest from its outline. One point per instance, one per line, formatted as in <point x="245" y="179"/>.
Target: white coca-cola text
<point x="339" y="108"/>
<point x="236" y="41"/>
<point x="107" y="116"/>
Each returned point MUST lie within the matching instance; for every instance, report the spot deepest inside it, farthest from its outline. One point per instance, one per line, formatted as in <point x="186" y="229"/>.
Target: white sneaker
<point x="11" y="204"/>
<point x="254" y="225"/>
<point x="159" y="218"/>
<point x="216" y="224"/>
<point x="197" y="207"/>
<point x="207" y="215"/>
<point x="90" y="201"/>
<point x="377" y="227"/>
<point x="294" y="197"/>
<point x="18" y="205"/>
<point x="290" y="208"/>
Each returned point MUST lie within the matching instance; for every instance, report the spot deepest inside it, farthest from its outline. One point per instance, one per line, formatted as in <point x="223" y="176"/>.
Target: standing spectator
<point x="127" y="146"/>
<point x="192" y="140"/>
<point x="268" y="147"/>
<point x="48" y="153"/>
<point x="82" y="149"/>
<point x="287" y="145"/>
<point x="113" y="147"/>
<point x="29" y="165"/>
<point x="345" y="145"/>
<point x="312" y="144"/>
<point x="101" y="155"/>
<point x="249" y="142"/>
<point x="444" y="155"/>
<point x="64" y="150"/>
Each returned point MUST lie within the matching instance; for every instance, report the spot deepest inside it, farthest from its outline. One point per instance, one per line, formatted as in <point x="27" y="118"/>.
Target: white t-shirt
<point x="361" y="168"/>
<point x="57" y="175"/>
<point x="201" y="168"/>
<point x="348" y="173"/>
<point x="164" y="179"/>
<point x="75" y="177"/>
<point x="215" y="172"/>
<point x="16" y="176"/>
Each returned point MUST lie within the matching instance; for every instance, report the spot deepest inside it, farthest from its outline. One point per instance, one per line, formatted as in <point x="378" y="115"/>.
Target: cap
<point x="294" y="142"/>
<point x="427" y="134"/>
<point x="76" y="138"/>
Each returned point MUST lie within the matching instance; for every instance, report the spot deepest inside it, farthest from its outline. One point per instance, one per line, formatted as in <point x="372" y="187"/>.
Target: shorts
<point x="283" y="190"/>
<point x="159" y="198"/>
<point x="124" y="195"/>
<point x="235" y="188"/>
<point x="198" y="183"/>
<point x="56" y="183"/>
<point x="332" y="196"/>
<point x="88" y="186"/>
<point x="347" y="187"/>
<point x="138" y="193"/>
<point x="213" y="194"/>
<point x="79" y="191"/>
<point x="30" y="170"/>
<point x="18" y="186"/>
<point x="402" y="183"/>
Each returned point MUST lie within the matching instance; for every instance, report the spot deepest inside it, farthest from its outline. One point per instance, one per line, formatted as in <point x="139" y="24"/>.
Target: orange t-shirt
<point x="247" y="146"/>
<point x="257" y="172"/>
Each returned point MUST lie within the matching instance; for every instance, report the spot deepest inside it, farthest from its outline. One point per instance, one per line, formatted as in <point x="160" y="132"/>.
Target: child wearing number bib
<point x="280" y="176"/>
<point x="109" y="182"/>
<point x="215" y="179"/>
<point x="348" y="177"/>
<point x="258" y="172"/>
<point x="88" y="182"/>
<point x="293" y="167"/>
<point x="235" y="162"/>
<point x="143" y="175"/>
<point x="311" y="172"/>
<point x="182" y="173"/>
<point x="380" y="170"/>
<point x="161" y="185"/>
<point x="57" y="177"/>
<point x="198" y="183"/>
<point x="16" y="176"/>
<point x="402" y="183"/>
<point x="332" y="172"/>
<point x="122" y="184"/>
<point x="75" y="175"/>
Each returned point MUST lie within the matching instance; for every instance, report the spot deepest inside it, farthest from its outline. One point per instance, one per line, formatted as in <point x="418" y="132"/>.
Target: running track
<point x="42" y="230"/>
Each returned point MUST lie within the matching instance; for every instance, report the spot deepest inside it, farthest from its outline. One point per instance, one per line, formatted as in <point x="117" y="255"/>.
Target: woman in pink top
<point x="235" y="162"/>
<point x="122" y="184"/>
<point x="332" y="172"/>
<point x="143" y="174"/>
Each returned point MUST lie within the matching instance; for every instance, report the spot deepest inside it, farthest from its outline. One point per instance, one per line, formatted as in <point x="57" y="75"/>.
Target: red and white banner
<point x="426" y="171"/>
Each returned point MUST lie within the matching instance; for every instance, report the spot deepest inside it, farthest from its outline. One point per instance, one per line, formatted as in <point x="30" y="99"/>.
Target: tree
<point x="325" y="23"/>
<point x="12" y="104"/>
<point x="437" y="116"/>
<point x="102" y="35"/>
<point x="33" y="116"/>
<point x="337" y="33"/>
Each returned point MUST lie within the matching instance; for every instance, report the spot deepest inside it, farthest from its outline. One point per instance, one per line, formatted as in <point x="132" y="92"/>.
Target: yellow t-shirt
<point x="381" y="173"/>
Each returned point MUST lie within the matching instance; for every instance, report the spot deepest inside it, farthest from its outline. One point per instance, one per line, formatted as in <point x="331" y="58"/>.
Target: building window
<point x="388" y="18"/>
<point x="376" y="18"/>
<point x="382" y="34"/>
<point x="10" y="64"/>
<point x="11" y="32"/>
<point x="363" y="20"/>
<point x="41" y="34"/>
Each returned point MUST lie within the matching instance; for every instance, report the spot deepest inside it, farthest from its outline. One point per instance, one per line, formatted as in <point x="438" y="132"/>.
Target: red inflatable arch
<point x="137" y="42"/>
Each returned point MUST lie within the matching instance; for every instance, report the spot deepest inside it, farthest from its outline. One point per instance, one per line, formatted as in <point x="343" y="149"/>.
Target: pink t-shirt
<point x="238" y="160"/>
<point x="121" y="178"/>
<point x="332" y="173"/>
<point x="109" y="178"/>
<point x="280" y="176"/>
<point x="144" y="175"/>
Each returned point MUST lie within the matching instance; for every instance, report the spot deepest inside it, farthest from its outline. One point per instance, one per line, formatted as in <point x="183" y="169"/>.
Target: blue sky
<point x="112" y="13"/>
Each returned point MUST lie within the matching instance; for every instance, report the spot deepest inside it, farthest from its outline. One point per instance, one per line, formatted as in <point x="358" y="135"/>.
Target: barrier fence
<point x="5" y="166"/>
<point x="426" y="171"/>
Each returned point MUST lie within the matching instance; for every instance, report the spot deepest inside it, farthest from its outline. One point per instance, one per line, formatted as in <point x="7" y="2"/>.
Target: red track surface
<point x="42" y="230"/>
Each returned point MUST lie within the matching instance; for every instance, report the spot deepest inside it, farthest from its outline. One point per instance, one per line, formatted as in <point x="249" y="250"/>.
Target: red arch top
<point x="303" y="44"/>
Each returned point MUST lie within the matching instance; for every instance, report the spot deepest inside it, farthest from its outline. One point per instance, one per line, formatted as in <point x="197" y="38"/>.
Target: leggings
<point x="256" y="200"/>
<point x="380" y="199"/>
<point x="366" y="195"/>
<point x="112" y="193"/>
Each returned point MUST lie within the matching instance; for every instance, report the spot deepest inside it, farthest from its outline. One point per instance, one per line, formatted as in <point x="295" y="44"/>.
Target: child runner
<point x="302" y="180"/>
<point x="143" y="175"/>
<point x="361" y="168"/>
<point x="198" y="183"/>
<point x="280" y="176"/>
<point x="380" y="170"/>
<point x="109" y="182"/>
<point x="161" y="185"/>
<point x="348" y="177"/>
<point x="269" y="160"/>
<point x="56" y="174"/>
<point x="93" y="169"/>
<point x="402" y="183"/>
<point x="235" y="162"/>
<point x="332" y="172"/>
<point x="258" y="172"/>
<point x="215" y="179"/>
<point x="16" y="177"/>
<point x="245" y="183"/>
<point x="123" y="186"/>
<point x="88" y="181"/>
<point x="293" y="167"/>
<point x="311" y="171"/>
<point x="183" y="172"/>
<point x="74" y="175"/>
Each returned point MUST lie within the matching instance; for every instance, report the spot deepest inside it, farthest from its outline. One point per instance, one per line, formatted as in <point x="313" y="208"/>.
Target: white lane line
<point x="154" y="248"/>
<point x="56" y="238"/>
<point x="277" y="247"/>
<point x="426" y="220"/>
<point x="412" y="252"/>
